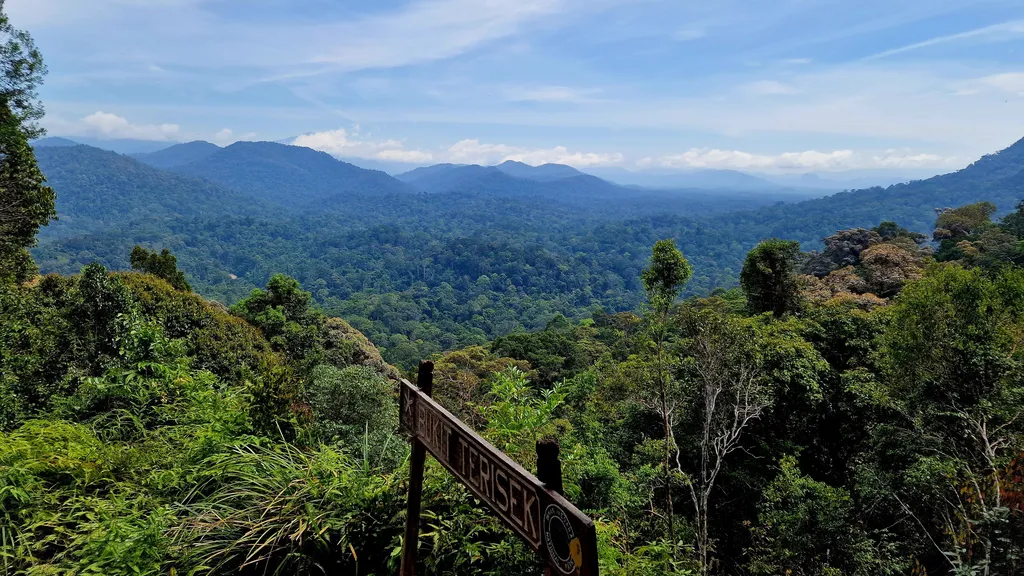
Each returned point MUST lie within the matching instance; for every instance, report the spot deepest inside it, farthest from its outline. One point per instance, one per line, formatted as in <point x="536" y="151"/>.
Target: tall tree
<point x="663" y="281"/>
<point x="163" y="265"/>
<point x="26" y="203"/>
<point x="769" y="277"/>
<point x="21" y="72"/>
<point x="727" y="395"/>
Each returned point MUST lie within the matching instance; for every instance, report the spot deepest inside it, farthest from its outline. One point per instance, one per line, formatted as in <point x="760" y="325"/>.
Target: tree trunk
<point x="666" y="420"/>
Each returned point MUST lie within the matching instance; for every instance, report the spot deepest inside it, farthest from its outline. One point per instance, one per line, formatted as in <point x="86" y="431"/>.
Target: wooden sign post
<point x="534" y="509"/>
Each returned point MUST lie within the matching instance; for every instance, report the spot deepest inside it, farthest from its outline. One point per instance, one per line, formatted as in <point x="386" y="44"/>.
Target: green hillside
<point x="101" y="190"/>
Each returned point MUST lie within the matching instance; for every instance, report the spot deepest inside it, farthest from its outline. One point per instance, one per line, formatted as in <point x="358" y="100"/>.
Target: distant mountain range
<point x="301" y="179"/>
<point x="199" y="179"/>
<point x="98" y="189"/>
<point x="252" y="209"/>
<point x="567" y="185"/>
<point x="166" y="155"/>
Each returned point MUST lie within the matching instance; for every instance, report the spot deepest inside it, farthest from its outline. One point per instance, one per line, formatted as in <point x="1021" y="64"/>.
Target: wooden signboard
<point x="535" y="510"/>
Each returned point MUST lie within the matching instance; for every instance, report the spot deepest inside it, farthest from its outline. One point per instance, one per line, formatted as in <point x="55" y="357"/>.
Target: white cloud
<point x="473" y="151"/>
<point x="560" y="155"/>
<point x="907" y="159"/>
<point x="734" y="159"/>
<point x="345" y="144"/>
<point x="407" y="156"/>
<point x="107" y="126"/>
<point x="225" y="136"/>
<point x="806" y="161"/>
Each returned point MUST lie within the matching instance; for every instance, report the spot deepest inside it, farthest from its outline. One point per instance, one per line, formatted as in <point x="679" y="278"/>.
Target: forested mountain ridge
<point x="425" y="171"/>
<point x="444" y="177"/>
<point x="291" y="176"/>
<point x="428" y="176"/>
<point x="542" y="172"/>
<point x="179" y="154"/>
<point x="100" y="190"/>
<point x="53" y="141"/>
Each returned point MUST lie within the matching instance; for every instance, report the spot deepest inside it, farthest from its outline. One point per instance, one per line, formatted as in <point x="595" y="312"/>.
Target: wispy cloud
<point x="552" y="94"/>
<point x="994" y="33"/>
<point x="424" y="31"/>
<point x="193" y="33"/>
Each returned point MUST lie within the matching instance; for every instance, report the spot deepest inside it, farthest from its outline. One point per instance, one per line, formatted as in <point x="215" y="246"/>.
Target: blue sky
<point x="771" y="86"/>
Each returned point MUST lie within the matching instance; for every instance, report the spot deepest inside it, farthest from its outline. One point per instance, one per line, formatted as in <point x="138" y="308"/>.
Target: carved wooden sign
<point x="550" y="524"/>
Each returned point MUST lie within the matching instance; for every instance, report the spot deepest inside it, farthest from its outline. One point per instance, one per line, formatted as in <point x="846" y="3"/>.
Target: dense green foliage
<point x="26" y="203"/>
<point x="769" y="277"/>
<point x="421" y="273"/>
<point x="163" y="265"/>
<point x="146" y="429"/>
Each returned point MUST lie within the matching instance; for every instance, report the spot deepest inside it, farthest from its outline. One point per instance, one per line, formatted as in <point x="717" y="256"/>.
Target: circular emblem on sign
<point x="561" y="541"/>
